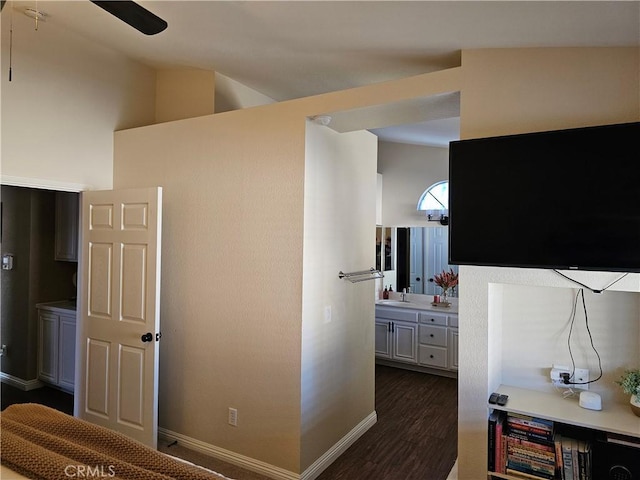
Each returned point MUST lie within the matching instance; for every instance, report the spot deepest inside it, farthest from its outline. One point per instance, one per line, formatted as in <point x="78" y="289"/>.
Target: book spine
<point x="558" y="451"/>
<point x="528" y="444"/>
<point x="531" y="422"/>
<point x="491" y="442"/>
<point x="528" y="474"/>
<point x="499" y="445"/>
<point x="567" y="462"/>
<point x="531" y="436"/>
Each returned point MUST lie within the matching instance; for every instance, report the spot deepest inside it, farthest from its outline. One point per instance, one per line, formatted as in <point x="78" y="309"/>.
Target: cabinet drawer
<point x="433" y="318"/>
<point x="433" y="356"/>
<point x="397" y="314"/>
<point x="453" y="321"/>
<point x="433" y="335"/>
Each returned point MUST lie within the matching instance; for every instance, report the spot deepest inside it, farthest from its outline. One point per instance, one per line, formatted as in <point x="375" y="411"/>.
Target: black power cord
<point x="592" y="290"/>
<point x="566" y="378"/>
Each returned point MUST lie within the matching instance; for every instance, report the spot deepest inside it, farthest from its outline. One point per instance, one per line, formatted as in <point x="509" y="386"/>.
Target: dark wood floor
<point x="45" y="396"/>
<point x="415" y="437"/>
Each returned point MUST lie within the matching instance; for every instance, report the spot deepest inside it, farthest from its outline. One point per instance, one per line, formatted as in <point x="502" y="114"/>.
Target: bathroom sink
<point x="399" y="303"/>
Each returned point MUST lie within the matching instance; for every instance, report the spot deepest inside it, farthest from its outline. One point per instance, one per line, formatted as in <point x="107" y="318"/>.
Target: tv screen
<point x="565" y="199"/>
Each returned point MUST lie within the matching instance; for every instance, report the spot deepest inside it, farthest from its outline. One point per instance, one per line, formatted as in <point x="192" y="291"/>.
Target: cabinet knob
<point x="430" y="356"/>
<point x="431" y="335"/>
<point x="147" y="337"/>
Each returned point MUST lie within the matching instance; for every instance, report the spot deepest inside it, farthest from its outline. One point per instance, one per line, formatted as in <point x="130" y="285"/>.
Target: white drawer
<point x="392" y="313"/>
<point x="432" y="356"/>
<point x="453" y="321"/>
<point x="431" y="318"/>
<point x="433" y="335"/>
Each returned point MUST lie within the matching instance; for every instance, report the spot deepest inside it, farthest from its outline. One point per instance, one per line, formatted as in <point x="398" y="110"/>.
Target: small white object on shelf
<point x="590" y="401"/>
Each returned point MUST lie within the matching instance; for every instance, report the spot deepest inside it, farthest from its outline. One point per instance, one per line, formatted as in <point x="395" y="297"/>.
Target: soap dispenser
<point x="385" y="293"/>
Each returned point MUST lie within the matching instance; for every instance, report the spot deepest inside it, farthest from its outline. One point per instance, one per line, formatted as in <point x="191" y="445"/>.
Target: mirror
<point x="385" y="249"/>
<point x="421" y="253"/>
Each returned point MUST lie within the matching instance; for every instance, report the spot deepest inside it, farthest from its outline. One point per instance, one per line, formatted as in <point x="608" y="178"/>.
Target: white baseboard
<point x="19" y="383"/>
<point x="339" y="448"/>
<point x="228" y="456"/>
<point x="266" y="469"/>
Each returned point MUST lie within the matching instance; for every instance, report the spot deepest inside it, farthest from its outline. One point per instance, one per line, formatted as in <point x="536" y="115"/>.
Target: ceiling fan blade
<point x="138" y="17"/>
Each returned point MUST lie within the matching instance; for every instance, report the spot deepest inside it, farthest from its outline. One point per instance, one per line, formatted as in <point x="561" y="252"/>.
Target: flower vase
<point x="635" y="405"/>
<point x="443" y="297"/>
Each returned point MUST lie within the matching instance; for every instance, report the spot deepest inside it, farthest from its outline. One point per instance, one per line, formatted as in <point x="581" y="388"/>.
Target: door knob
<point x="147" y="337"/>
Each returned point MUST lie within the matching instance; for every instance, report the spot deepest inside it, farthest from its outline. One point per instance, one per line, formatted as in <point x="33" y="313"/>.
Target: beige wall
<point x="231" y="275"/>
<point x="337" y="336"/>
<point x="407" y="171"/>
<point x="514" y="91"/>
<point x="184" y="93"/>
<point x="244" y="299"/>
<point x="66" y="97"/>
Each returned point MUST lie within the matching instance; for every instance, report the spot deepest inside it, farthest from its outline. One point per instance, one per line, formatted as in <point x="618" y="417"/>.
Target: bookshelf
<point x="614" y="417"/>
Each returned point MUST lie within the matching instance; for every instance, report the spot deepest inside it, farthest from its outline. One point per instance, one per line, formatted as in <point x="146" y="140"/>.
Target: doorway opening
<point x="34" y="226"/>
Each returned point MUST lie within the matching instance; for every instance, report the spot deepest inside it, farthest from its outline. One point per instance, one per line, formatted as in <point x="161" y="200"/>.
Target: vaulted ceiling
<point x="291" y="49"/>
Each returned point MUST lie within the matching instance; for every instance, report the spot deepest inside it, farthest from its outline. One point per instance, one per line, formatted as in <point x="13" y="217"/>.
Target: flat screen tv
<point x="564" y="199"/>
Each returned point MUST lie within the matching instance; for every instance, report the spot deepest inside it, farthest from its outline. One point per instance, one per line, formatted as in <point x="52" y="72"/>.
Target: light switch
<point x="327" y="314"/>
<point x="7" y="262"/>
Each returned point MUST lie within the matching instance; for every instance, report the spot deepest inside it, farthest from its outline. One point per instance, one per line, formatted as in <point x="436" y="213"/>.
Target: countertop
<point x="62" y="306"/>
<point x="418" y="302"/>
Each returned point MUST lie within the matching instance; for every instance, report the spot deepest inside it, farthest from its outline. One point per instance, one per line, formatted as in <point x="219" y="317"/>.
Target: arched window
<point x="435" y="201"/>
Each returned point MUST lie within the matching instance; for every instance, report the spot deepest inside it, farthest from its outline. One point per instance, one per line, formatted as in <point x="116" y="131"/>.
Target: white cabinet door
<point x="404" y="339"/>
<point x="383" y="339"/>
<point x="66" y="237"/>
<point x="67" y="351"/>
<point x="48" y="347"/>
<point x="453" y="349"/>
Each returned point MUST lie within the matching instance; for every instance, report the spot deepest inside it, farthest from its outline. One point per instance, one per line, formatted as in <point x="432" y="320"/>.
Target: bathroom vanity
<point x="417" y="336"/>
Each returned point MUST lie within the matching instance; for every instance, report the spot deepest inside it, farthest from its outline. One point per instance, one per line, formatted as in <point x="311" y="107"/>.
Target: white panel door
<point x="119" y="314"/>
<point x="437" y="258"/>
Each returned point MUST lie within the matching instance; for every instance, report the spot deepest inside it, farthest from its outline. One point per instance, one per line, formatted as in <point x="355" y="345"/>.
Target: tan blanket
<point x="42" y="443"/>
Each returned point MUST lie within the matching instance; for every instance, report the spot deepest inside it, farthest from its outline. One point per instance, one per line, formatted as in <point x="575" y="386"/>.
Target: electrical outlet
<point x="3" y="350"/>
<point x="233" y="416"/>
<point x="581" y="377"/>
<point x="578" y="381"/>
<point x="556" y="375"/>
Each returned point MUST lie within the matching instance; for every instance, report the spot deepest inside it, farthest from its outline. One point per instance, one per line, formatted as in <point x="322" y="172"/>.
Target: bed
<point x="38" y="442"/>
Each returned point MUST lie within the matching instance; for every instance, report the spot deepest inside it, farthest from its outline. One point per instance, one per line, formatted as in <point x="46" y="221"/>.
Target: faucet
<point x="404" y="293"/>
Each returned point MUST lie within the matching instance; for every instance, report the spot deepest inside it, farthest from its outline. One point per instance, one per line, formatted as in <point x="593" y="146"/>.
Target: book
<point x="623" y="440"/>
<point x="574" y="459"/>
<point x="557" y="443"/>
<point x="491" y="440"/>
<point x="518" y="473"/>
<point x="499" y="467"/>
<point x="567" y="459"/>
<point x="526" y="420"/>
<point x="530" y="465"/>
<point x="529" y="444"/>
<point x="531" y="436"/>
<point x="584" y="459"/>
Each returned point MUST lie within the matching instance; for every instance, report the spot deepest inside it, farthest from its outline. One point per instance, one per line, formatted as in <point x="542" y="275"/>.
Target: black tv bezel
<point x="534" y="265"/>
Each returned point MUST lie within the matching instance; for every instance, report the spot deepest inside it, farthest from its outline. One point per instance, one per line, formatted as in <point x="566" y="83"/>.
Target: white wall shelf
<point x="614" y="417"/>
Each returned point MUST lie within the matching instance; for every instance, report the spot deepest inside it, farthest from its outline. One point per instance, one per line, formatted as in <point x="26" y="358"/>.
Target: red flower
<point x="446" y="280"/>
